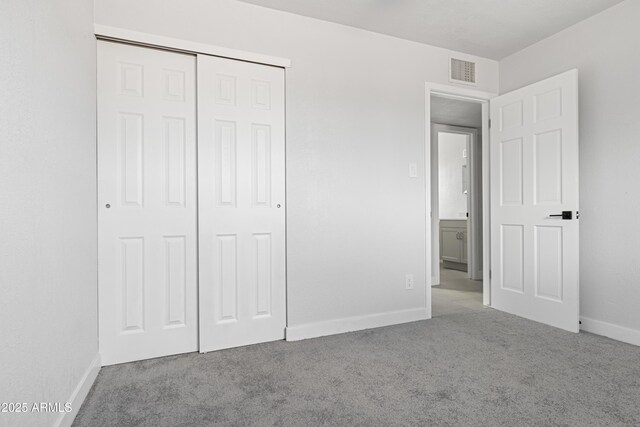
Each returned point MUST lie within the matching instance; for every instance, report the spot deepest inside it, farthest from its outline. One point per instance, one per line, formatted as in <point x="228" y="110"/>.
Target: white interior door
<point x="147" y="238"/>
<point x="241" y="180"/>
<point x="534" y="175"/>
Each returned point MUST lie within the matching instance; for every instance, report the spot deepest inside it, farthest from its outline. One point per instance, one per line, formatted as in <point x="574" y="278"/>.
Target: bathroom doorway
<point x="456" y="153"/>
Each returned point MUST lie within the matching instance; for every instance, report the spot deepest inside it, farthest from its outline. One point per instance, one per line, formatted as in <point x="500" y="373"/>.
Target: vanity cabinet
<point x="453" y="244"/>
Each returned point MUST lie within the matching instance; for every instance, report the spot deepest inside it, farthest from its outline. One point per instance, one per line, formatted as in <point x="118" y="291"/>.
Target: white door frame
<point x="456" y="92"/>
<point x="473" y="269"/>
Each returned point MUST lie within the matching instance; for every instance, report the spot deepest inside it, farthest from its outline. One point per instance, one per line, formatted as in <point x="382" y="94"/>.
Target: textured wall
<point x="48" y="270"/>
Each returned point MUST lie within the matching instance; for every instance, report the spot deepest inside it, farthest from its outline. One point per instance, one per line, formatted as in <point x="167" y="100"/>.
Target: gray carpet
<point x="477" y="368"/>
<point x="469" y="365"/>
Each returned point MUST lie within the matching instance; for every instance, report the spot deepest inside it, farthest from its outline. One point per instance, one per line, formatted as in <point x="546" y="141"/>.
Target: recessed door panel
<point x="547" y="152"/>
<point x="176" y="280"/>
<point x="175" y="167"/>
<point x="261" y="165"/>
<point x="512" y="262"/>
<point x="131" y="159"/>
<point x="225" y="162"/>
<point x="263" y="277"/>
<point x="548" y="105"/>
<point x="511" y="115"/>
<point x="548" y="262"/>
<point x="227" y="279"/>
<point x="132" y="283"/>
<point x="511" y="172"/>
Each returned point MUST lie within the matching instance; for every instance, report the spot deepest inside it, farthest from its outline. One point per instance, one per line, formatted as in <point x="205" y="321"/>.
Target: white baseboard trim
<point x="616" y="332"/>
<point x="357" y="323"/>
<point x="79" y="394"/>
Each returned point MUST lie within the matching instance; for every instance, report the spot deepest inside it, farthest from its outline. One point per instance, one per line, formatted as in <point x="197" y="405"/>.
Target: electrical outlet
<point x="408" y="281"/>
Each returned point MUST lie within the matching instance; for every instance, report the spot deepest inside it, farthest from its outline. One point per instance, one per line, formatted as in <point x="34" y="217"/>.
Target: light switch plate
<point x="413" y="170"/>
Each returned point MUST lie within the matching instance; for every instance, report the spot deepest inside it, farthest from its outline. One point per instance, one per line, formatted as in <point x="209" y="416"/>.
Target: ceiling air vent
<point x="462" y="71"/>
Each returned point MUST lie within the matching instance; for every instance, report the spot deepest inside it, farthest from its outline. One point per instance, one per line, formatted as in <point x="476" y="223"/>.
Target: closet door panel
<point x="241" y="157"/>
<point x="147" y="207"/>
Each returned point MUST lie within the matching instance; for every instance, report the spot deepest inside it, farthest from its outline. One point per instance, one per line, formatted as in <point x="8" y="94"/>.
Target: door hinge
<point x="489" y="123"/>
<point x="489" y="274"/>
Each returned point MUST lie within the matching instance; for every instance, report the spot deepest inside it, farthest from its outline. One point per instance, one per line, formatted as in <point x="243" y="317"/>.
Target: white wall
<point x="606" y="51"/>
<point x="48" y="267"/>
<point x="355" y="120"/>
<point x="452" y="202"/>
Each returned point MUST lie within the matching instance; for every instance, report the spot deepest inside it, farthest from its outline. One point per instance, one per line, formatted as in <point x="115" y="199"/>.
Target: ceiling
<point x="454" y="112"/>
<point x="488" y="28"/>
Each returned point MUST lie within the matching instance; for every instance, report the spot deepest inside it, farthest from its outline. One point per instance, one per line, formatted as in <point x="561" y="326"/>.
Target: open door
<point x="534" y="202"/>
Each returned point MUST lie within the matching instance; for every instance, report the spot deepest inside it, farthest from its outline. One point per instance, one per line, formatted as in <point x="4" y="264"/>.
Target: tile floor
<point x="456" y="294"/>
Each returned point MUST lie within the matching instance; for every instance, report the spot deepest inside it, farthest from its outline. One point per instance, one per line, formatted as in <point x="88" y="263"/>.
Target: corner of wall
<point x="80" y="393"/>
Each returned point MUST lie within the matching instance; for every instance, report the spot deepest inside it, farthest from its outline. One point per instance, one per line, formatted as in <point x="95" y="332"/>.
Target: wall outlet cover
<point x="408" y="281"/>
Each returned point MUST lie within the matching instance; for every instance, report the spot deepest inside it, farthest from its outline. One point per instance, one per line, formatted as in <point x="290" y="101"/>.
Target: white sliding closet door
<point x="241" y="187"/>
<point x="146" y="203"/>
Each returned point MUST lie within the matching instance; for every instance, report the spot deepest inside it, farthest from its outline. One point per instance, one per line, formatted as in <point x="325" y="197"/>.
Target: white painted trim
<point x="357" y="323"/>
<point x="486" y="207"/>
<point x="430" y="280"/>
<point x="475" y="209"/>
<point x="616" y="332"/>
<point x="122" y="34"/>
<point x="451" y="91"/>
<point x="434" y="205"/>
<point x="79" y="394"/>
<point x="457" y="92"/>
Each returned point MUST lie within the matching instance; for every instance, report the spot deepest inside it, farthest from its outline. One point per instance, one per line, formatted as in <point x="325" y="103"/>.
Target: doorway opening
<point x="457" y="241"/>
<point x="456" y="165"/>
<point x="458" y="233"/>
